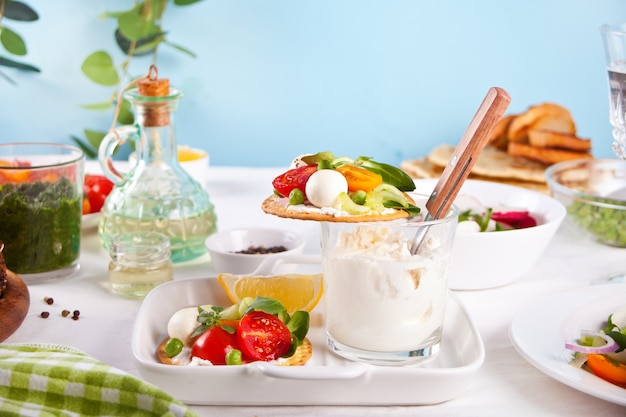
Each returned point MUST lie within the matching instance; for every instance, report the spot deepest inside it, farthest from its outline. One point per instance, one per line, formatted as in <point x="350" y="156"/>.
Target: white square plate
<point x="325" y="379"/>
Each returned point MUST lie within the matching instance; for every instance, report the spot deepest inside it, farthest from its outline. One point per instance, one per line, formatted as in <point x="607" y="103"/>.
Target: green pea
<point x="359" y="197"/>
<point x="173" y="347"/>
<point x="233" y="357"/>
<point x="296" y="196"/>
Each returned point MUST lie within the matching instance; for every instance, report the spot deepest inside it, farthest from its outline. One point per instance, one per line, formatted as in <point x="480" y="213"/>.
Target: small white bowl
<point x="493" y="259"/>
<point x="224" y="246"/>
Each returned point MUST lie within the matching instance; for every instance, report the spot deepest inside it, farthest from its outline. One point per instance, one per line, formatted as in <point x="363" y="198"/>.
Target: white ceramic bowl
<point x="224" y="245"/>
<point x="493" y="259"/>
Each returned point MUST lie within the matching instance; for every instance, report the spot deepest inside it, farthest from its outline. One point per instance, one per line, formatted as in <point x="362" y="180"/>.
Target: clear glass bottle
<point x="139" y="262"/>
<point x="157" y="194"/>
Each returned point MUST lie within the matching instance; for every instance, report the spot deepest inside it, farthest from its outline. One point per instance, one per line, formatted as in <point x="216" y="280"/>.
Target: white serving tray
<point x="325" y="380"/>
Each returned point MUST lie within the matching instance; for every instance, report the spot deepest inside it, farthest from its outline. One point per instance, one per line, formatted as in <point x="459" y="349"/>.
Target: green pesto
<point x="40" y="225"/>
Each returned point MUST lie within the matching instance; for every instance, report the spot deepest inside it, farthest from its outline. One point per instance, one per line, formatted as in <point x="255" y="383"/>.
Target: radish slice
<point x="610" y="346"/>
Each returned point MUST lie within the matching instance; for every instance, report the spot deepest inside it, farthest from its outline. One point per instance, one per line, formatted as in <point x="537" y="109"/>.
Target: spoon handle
<point x="467" y="151"/>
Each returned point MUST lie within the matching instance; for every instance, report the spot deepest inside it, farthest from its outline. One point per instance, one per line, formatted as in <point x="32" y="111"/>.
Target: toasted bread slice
<point x="546" y="116"/>
<point x="544" y="155"/>
<point x="550" y="139"/>
<point x="499" y="137"/>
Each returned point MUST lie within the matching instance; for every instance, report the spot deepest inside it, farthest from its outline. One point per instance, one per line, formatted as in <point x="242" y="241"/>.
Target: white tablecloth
<point x="505" y="385"/>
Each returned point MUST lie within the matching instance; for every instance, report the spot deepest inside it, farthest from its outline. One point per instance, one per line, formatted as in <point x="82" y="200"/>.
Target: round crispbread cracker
<point x="302" y="354"/>
<point x="494" y="163"/>
<point x="279" y="206"/>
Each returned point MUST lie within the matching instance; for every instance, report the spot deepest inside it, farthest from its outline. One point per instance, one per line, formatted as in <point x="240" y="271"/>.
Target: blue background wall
<point x="277" y="78"/>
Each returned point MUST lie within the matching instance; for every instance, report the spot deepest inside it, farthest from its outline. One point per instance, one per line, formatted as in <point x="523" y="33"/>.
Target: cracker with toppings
<point x="321" y="187"/>
<point x="299" y="358"/>
<point x="279" y="206"/>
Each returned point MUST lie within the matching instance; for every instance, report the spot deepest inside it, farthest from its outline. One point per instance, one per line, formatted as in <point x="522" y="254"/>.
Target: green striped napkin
<point x="54" y="380"/>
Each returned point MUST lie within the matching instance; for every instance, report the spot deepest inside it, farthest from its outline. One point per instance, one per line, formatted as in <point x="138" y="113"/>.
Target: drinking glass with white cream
<point x="384" y="305"/>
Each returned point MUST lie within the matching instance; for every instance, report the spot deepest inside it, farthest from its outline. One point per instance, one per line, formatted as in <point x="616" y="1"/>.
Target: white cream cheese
<point x="378" y="296"/>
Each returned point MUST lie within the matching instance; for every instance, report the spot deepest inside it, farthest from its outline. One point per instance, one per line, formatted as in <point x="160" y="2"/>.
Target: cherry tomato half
<point x="360" y="178"/>
<point x="606" y="369"/>
<point x="294" y="178"/>
<point x="214" y="344"/>
<point x="262" y="336"/>
<point x="97" y="188"/>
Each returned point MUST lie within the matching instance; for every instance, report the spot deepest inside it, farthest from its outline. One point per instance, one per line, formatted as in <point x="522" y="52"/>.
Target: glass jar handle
<point x="105" y="153"/>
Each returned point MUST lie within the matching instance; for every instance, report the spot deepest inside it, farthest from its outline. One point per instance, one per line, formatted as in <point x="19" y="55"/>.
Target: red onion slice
<point x="610" y="346"/>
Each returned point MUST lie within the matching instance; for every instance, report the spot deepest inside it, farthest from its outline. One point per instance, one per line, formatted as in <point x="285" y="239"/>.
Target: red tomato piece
<point x="214" y="344"/>
<point x="294" y="178"/>
<point x="262" y="336"/>
<point x="97" y="188"/>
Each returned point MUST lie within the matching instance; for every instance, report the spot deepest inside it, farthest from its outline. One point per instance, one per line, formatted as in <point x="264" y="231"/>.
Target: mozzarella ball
<point x="324" y="186"/>
<point x="183" y="323"/>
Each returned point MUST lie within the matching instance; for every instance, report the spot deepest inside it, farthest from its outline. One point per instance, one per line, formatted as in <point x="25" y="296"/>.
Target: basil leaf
<point x="268" y="305"/>
<point x="299" y="325"/>
<point x="619" y="338"/>
<point x="318" y="157"/>
<point x="411" y="209"/>
<point x="391" y="175"/>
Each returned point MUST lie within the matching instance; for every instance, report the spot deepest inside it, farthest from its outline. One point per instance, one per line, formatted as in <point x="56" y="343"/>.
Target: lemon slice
<point x="186" y="154"/>
<point x="294" y="291"/>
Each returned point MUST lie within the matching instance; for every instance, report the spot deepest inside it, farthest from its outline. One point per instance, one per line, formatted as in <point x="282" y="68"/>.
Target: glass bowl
<point x="41" y="195"/>
<point x="594" y="193"/>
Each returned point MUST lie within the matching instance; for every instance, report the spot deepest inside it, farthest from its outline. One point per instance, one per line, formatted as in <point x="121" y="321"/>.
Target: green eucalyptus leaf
<point x="98" y="67"/>
<point x="94" y="137"/>
<point x="105" y="105"/>
<point x="111" y="15"/>
<point x="149" y="47"/>
<point x="142" y="46"/>
<point x="182" y="49"/>
<point x="88" y="150"/>
<point x="12" y="42"/>
<point x="125" y="116"/>
<point x="6" y="62"/>
<point x="16" y="10"/>
<point x="134" y="26"/>
<point x="185" y="2"/>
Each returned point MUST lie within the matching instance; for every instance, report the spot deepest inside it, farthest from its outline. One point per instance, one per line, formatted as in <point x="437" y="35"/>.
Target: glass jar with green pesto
<point x="41" y="193"/>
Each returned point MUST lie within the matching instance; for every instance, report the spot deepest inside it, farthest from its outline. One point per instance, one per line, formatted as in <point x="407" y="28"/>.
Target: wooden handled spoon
<point x="464" y="157"/>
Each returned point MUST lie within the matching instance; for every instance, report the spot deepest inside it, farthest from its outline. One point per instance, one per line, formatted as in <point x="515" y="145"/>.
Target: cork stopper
<point x="156" y="113"/>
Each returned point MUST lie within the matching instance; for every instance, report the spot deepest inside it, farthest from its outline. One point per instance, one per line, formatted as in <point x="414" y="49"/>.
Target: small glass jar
<point x="139" y="262"/>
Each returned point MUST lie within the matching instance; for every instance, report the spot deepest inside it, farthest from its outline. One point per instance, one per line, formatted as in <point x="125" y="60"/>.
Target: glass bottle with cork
<point x="157" y="194"/>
